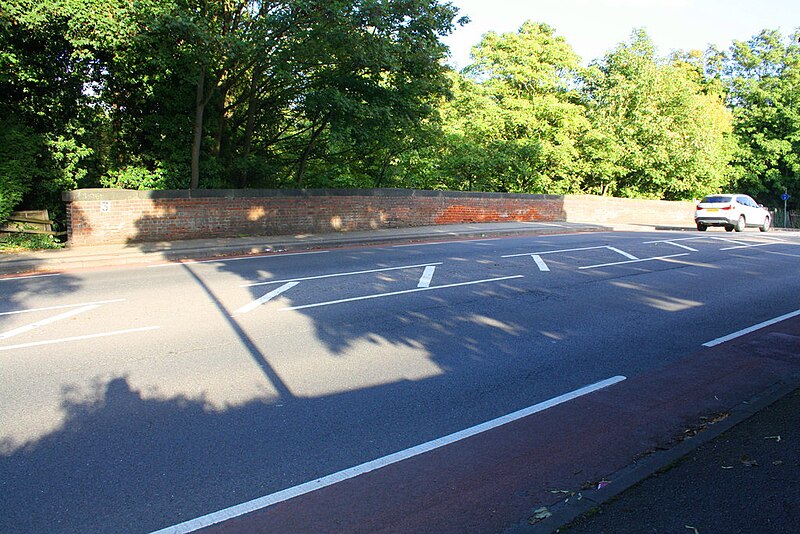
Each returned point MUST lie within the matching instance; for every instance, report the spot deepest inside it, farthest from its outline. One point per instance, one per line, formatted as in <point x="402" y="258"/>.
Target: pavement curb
<point x="564" y="513"/>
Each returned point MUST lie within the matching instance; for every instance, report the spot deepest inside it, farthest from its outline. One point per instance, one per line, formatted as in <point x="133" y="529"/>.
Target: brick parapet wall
<point x="105" y="216"/>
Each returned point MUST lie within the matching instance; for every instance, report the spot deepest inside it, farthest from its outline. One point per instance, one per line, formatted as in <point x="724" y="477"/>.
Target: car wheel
<point x="766" y="226"/>
<point x="702" y="227"/>
<point x="729" y="228"/>
<point x="740" y="224"/>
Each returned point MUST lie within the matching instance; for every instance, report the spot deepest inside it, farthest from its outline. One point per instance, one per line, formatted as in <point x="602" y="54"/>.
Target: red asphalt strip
<point x="494" y="480"/>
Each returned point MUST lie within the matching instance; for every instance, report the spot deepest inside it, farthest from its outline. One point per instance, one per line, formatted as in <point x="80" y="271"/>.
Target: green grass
<point x="24" y="242"/>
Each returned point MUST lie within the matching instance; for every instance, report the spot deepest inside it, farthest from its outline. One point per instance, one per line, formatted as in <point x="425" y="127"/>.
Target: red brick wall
<point x="104" y="216"/>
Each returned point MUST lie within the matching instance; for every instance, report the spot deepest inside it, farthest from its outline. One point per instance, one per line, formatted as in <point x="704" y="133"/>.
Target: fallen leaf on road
<point x="538" y="515"/>
<point x="777" y="462"/>
<point x="603" y="483"/>
<point x="776" y="438"/>
<point x="692" y="528"/>
<point x="727" y="467"/>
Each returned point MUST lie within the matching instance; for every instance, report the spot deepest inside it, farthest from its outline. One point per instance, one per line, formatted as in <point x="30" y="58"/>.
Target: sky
<point x="593" y="27"/>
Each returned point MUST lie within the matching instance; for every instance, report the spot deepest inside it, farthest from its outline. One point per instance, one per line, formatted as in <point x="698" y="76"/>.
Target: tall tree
<point x="666" y="135"/>
<point x="764" y="78"/>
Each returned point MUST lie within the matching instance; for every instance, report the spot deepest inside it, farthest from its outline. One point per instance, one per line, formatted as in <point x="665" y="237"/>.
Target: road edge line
<point x="334" y="478"/>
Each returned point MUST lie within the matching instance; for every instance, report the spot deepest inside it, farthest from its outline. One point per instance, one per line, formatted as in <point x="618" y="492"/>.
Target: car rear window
<point x="716" y="200"/>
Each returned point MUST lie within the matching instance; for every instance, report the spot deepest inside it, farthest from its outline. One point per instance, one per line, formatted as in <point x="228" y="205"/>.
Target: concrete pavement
<point x="143" y="253"/>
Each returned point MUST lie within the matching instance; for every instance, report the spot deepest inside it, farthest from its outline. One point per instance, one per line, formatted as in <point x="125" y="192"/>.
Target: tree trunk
<point x="200" y="104"/>
<point x="303" y="163"/>
<point x="252" y="104"/>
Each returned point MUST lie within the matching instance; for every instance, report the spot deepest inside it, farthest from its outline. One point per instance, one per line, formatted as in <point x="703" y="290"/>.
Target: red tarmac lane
<point x="493" y="481"/>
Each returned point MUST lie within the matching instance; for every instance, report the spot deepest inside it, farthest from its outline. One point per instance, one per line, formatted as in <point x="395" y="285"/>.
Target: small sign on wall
<point x="105" y="206"/>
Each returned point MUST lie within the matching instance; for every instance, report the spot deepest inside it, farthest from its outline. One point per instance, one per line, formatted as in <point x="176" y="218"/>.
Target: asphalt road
<point x="136" y="399"/>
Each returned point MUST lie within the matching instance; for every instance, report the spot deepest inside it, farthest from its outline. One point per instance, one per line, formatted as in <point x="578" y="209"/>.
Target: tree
<point x="664" y="131"/>
<point x="764" y="79"/>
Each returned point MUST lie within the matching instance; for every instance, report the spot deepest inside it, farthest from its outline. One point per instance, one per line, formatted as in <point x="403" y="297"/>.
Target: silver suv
<point x="734" y="212"/>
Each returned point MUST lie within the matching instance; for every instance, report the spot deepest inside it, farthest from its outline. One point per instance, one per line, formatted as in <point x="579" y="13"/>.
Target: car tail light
<point x="699" y="207"/>
<point x="728" y="207"/>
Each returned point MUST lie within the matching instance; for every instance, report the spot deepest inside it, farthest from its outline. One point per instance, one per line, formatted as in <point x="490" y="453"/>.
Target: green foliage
<point x="19" y="242"/>
<point x="665" y="134"/>
<point x="764" y="79"/>
<point x="174" y="94"/>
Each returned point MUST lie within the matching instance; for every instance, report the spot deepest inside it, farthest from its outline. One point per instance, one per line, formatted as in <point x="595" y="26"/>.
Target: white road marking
<point x="25" y="277"/>
<point x="78" y="338"/>
<point x="31" y="310"/>
<point x="783" y="254"/>
<point x="633" y="261"/>
<point x="259" y="256"/>
<point x="266" y="298"/>
<point x="49" y="320"/>
<point x="740" y="333"/>
<point x="352" y="472"/>
<point x="351" y="273"/>
<point x="427" y="276"/>
<point x="540" y="263"/>
<point x="751" y="246"/>
<point x="629" y="256"/>
<point x="445" y="242"/>
<point x="679" y="245"/>
<point x="672" y="241"/>
<point x="404" y="292"/>
<point x="553" y="251"/>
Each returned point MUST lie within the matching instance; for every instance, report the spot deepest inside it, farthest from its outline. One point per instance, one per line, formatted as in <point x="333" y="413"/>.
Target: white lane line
<point x="690" y="249"/>
<point x="634" y="261"/>
<point x="728" y="240"/>
<point x="671" y="241"/>
<point x="352" y="472"/>
<point x="25" y="277"/>
<point x="618" y="251"/>
<point x="62" y="307"/>
<point x="49" y="320"/>
<point x="783" y="253"/>
<point x="404" y="292"/>
<point x="752" y="246"/>
<point x="334" y="275"/>
<point x="553" y="251"/>
<point x="427" y="276"/>
<point x="259" y="256"/>
<point x="445" y="242"/>
<point x="266" y="298"/>
<point x="540" y="263"/>
<point x="740" y="333"/>
<point x="78" y="338"/>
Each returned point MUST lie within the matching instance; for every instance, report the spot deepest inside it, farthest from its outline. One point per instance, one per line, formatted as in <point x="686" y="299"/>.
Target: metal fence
<point x="785" y="219"/>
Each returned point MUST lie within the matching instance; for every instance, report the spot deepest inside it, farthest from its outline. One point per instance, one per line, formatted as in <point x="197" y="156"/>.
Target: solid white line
<point x="259" y="256"/>
<point x="394" y="293"/>
<point x="553" y="251"/>
<point x="445" y="242"/>
<point x="339" y="274"/>
<point x="676" y="239"/>
<point x="31" y="310"/>
<point x="329" y="480"/>
<point x="49" y="320"/>
<point x="679" y="245"/>
<point x="28" y="276"/>
<point x="753" y="328"/>
<point x="751" y="246"/>
<point x="634" y="261"/>
<point x="427" y="276"/>
<point x="266" y="298"/>
<point x="540" y="263"/>
<point x="629" y="256"/>
<point x="78" y="338"/>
